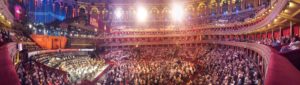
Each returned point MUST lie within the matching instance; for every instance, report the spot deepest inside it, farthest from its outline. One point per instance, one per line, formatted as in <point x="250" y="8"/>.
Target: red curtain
<point x="276" y="34"/>
<point x="270" y="35"/>
<point x="232" y="36"/>
<point x="286" y="31"/>
<point x="249" y="36"/>
<point x="296" y="30"/>
<point x="264" y="36"/>
<point x="258" y="36"/>
<point x="253" y="36"/>
<point x="226" y="36"/>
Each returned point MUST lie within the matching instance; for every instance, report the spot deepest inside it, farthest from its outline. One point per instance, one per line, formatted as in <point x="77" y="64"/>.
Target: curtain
<point x="270" y="35"/>
<point x="258" y="36"/>
<point x="296" y="30"/>
<point x="276" y="34"/>
<point x="286" y="31"/>
<point x="264" y="36"/>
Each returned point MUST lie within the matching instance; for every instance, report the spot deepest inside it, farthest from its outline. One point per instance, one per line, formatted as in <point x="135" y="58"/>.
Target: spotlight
<point x="18" y="11"/>
<point x="142" y="14"/>
<point x="177" y="12"/>
<point x="30" y="25"/>
<point x="118" y="13"/>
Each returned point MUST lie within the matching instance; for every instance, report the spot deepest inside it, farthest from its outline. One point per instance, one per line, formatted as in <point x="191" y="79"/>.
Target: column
<point x="255" y="36"/>
<point x="291" y="29"/>
<point x="272" y="34"/>
<point x="280" y="32"/>
<point x="261" y="37"/>
<point x="230" y="7"/>
<point x="256" y="3"/>
<point x="266" y="34"/>
<point x="243" y="4"/>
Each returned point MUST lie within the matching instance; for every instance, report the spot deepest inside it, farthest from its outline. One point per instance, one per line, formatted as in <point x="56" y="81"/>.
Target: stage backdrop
<point x="50" y="42"/>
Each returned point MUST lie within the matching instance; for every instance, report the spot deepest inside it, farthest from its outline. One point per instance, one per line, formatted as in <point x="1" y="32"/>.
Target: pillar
<point x="267" y="34"/>
<point x="261" y="37"/>
<point x="243" y="4"/>
<point x="280" y="32"/>
<point x="291" y="29"/>
<point x="256" y="3"/>
<point x="272" y="34"/>
<point x="230" y="7"/>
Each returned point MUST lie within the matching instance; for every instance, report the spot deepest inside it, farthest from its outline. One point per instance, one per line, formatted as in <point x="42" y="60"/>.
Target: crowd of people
<point x="228" y="67"/>
<point x="18" y="37"/>
<point x="143" y="67"/>
<point x="181" y="65"/>
<point x="4" y="36"/>
<point x="287" y="44"/>
<point x="34" y="73"/>
<point x="283" y="44"/>
<point x="80" y="66"/>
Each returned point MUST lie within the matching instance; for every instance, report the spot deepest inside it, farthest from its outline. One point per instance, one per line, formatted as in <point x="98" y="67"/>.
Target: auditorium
<point x="149" y="42"/>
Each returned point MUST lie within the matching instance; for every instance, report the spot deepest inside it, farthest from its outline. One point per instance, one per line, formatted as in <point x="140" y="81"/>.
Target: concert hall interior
<point x="149" y="42"/>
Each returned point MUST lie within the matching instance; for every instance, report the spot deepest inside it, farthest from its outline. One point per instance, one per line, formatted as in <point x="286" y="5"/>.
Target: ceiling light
<point x="142" y="14"/>
<point x="30" y="25"/>
<point x="275" y="20"/>
<point x="286" y="11"/>
<point x="118" y="13"/>
<point x="177" y="12"/>
<point x="291" y="4"/>
<point x="1" y="16"/>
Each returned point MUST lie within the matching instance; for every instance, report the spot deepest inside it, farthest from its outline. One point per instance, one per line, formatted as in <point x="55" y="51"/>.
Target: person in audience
<point x="294" y="45"/>
<point x="276" y="44"/>
<point x="1" y="39"/>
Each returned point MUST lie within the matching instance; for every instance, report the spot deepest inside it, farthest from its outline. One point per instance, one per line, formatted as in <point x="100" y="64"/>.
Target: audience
<point x="4" y="36"/>
<point x="78" y="65"/>
<point x="294" y="45"/>
<point x="181" y="65"/>
<point x="33" y="73"/>
<point x="230" y="67"/>
<point x="82" y="68"/>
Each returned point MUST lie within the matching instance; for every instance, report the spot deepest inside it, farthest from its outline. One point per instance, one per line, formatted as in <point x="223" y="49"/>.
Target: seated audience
<point x="78" y="65"/>
<point x="183" y="65"/>
<point x="33" y="73"/>
<point x="294" y="45"/>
